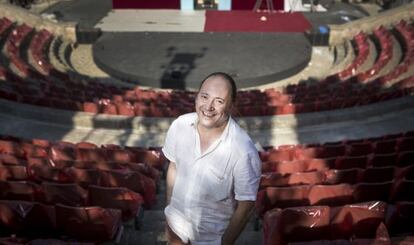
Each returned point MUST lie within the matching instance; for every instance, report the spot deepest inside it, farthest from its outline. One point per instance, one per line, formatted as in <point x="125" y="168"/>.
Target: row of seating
<point x="18" y="152"/>
<point x="48" y="193"/>
<point x="407" y="32"/>
<point x="348" y="224"/>
<point x="74" y="177"/>
<point x="32" y="219"/>
<point x="138" y="102"/>
<point x="335" y="176"/>
<point x="386" y="43"/>
<point x="357" y="149"/>
<point x="362" y="49"/>
<point x="402" y="159"/>
<point x="333" y="195"/>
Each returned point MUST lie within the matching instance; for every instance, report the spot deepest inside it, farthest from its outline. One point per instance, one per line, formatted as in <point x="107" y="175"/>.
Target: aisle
<point x="153" y="223"/>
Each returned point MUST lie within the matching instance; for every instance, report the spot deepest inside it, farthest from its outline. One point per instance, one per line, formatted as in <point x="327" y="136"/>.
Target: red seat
<point x="132" y="180"/>
<point x="382" y="160"/>
<point x="118" y="155"/>
<point x="29" y="218"/>
<point x="290" y="196"/>
<point x="335" y="176"/>
<point x="91" y="107"/>
<point x="62" y="152"/>
<point x="305" y="178"/>
<point x="153" y="158"/>
<point x="385" y="146"/>
<point x="405" y="159"/>
<point x="380" y="174"/>
<point x="84" y="177"/>
<point x="296" y="224"/>
<point x="360" y="149"/>
<point x="90" y="154"/>
<point x="7" y="159"/>
<point x="88" y="223"/>
<point x="403" y="190"/>
<point x="357" y="220"/>
<point x="13" y="173"/>
<point x="329" y="151"/>
<point x="285" y="167"/>
<point x="42" y="171"/>
<point x="12" y="148"/>
<point x="400" y="219"/>
<point x="406" y="144"/>
<point x="31" y="150"/>
<point x="127" y="201"/>
<point x="317" y="164"/>
<point x="125" y="109"/>
<point x="331" y="195"/>
<point x="20" y="190"/>
<point x="67" y="194"/>
<point x="351" y="162"/>
<point x="365" y="192"/>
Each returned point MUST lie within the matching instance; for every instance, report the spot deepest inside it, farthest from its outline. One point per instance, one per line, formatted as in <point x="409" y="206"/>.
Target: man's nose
<point x="210" y="105"/>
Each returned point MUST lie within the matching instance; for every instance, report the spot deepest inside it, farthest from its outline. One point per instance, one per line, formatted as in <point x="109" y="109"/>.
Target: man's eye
<point x="220" y="102"/>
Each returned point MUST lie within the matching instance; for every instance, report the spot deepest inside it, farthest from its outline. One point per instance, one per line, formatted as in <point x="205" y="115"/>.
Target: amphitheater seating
<point x="100" y="185"/>
<point x="361" y="184"/>
<point x="342" y="90"/>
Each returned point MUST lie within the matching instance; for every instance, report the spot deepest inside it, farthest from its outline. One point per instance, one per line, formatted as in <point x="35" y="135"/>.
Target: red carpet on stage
<point x="146" y="4"/>
<point x="248" y="21"/>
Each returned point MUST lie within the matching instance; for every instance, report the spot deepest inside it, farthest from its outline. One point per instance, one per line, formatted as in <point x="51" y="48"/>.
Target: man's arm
<point x="237" y="222"/>
<point x="171" y="172"/>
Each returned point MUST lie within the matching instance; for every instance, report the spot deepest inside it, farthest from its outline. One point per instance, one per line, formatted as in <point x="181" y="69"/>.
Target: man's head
<point x="215" y="100"/>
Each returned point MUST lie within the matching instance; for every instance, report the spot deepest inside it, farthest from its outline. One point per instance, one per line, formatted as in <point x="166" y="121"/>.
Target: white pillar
<point x="224" y="5"/>
<point x="187" y="4"/>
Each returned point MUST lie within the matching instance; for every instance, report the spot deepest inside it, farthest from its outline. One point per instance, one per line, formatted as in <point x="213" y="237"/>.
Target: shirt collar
<point x="226" y="130"/>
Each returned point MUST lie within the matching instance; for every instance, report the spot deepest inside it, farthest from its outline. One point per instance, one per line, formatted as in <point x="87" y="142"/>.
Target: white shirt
<point x="207" y="185"/>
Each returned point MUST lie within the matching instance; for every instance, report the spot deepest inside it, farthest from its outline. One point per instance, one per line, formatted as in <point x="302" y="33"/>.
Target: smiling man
<point x="214" y="169"/>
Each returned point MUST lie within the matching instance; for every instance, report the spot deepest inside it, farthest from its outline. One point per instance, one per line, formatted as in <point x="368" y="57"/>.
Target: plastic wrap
<point x="332" y="195"/>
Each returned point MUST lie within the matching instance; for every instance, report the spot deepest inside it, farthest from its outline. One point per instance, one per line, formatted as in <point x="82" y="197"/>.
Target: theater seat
<point x="299" y="178"/>
<point x="121" y="198"/>
<point x="14" y="172"/>
<point x="380" y="174"/>
<point x="400" y="218"/>
<point x="372" y="191"/>
<point x="296" y="224"/>
<point x="331" y="195"/>
<point x="132" y="180"/>
<point x="68" y="194"/>
<point x="20" y="190"/>
<point x="28" y="218"/>
<point x="94" y="224"/>
<point x="403" y="190"/>
<point x="335" y="176"/>
<point x="290" y="196"/>
<point x="84" y="177"/>
<point x="351" y="162"/>
<point x="357" y="220"/>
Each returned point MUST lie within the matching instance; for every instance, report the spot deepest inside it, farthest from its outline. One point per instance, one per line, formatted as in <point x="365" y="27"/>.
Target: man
<point x="214" y="169"/>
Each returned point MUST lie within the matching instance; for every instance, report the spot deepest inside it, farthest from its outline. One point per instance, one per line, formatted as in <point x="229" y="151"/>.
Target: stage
<point x="177" y="49"/>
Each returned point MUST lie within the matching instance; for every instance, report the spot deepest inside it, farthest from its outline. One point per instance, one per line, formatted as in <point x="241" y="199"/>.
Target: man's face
<point x="213" y="103"/>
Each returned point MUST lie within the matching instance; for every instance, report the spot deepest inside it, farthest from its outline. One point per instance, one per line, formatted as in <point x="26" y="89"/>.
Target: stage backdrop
<point x="146" y="4"/>
<point x="175" y="4"/>
<point x="249" y="4"/>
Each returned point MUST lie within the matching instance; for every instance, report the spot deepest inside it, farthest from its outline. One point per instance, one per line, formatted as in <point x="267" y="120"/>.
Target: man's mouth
<point x="208" y="114"/>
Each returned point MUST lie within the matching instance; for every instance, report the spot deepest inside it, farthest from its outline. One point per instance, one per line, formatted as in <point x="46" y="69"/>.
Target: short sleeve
<point x="170" y="143"/>
<point x="247" y="173"/>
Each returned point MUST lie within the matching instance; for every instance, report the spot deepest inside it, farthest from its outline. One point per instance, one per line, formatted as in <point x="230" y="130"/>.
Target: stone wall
<point x="66" y="30"/>
<point x="339" y="33"/>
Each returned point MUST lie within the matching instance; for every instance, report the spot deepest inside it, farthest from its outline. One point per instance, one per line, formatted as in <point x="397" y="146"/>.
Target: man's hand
<point x="237" y="222"/>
